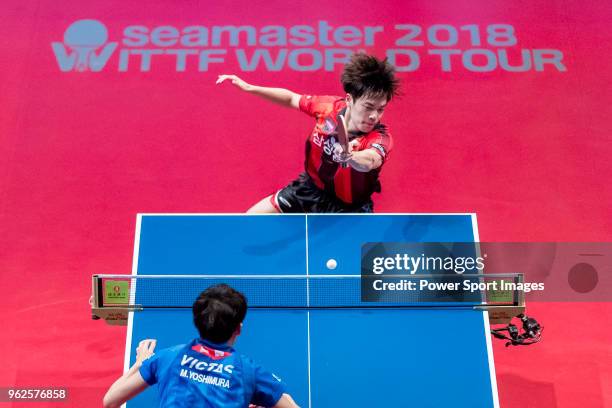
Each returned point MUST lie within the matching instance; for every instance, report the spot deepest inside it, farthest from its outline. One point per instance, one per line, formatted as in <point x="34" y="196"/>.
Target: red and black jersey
<point x="347" y="184"/>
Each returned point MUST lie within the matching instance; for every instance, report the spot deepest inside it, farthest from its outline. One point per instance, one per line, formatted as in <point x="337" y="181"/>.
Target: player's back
<point x="203" y="374"/>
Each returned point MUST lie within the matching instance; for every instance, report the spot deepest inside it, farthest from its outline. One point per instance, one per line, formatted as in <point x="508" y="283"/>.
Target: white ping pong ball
<point x="331" y="264"/>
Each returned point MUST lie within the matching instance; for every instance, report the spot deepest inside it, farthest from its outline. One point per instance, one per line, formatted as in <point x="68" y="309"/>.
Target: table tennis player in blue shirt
<point x="206" y="372"/>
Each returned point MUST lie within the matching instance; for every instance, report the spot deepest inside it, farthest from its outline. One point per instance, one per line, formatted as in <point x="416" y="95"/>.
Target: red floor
<point x="83" y="152"/>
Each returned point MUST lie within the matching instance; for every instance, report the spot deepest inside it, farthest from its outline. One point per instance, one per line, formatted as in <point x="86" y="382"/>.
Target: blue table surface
<point x="344" y="358"/>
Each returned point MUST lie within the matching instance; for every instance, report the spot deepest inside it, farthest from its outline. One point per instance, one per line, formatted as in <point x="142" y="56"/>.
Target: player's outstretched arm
<point x="286" y="402"/>
<point x="131" y="383"/>
<point x="281" y="96"/>
<point x="365" y="160"/>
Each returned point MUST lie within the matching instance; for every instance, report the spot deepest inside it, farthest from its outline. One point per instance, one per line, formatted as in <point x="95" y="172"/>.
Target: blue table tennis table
<point x="328" y="358"/>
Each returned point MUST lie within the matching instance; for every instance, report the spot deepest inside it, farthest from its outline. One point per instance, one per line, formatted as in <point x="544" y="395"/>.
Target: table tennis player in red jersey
<point x="348" y="146"/>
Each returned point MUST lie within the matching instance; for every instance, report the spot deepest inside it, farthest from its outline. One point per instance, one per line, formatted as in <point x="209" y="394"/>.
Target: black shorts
<point x="303" y="196"/>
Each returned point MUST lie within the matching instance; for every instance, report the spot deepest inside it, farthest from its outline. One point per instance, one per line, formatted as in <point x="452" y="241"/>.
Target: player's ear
<point x="348" y="98"/>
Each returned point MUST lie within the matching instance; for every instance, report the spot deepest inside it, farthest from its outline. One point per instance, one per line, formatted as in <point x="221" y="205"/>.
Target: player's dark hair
<point x="366" y="75"/>
<point x="218" y="312"/>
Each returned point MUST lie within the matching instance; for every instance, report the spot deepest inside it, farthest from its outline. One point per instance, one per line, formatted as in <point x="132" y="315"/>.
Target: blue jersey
<point x="204" y="374"/>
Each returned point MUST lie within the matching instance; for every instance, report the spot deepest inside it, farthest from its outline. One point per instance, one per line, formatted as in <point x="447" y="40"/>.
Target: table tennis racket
<point x="343" y="139"/>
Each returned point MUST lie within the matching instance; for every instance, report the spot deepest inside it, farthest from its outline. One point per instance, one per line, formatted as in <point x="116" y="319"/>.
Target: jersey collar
<point x="216" y="346"/>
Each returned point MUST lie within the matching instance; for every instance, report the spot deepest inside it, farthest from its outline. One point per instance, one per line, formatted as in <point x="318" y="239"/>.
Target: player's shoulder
<point x="380" y="129"/>
<point x="322" y="103"/>
<point x="320" y="106"/>
<point x="176" y="348"/>
<point x="170" y="352"/>
<point x="249" y="363"/>
<point x="380" y="139"/>
<point x="245" y="359"/>
<point x="161" y="359"/>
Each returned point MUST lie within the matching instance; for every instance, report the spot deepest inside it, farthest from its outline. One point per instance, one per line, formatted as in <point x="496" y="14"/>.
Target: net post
<point x="503" y="314"/>
<point x="113" y="315"/>
<point x="95" y="295"/>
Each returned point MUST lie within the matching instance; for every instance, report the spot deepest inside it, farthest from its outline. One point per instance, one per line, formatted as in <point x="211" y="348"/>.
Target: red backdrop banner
<point x="111" y="108"/>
